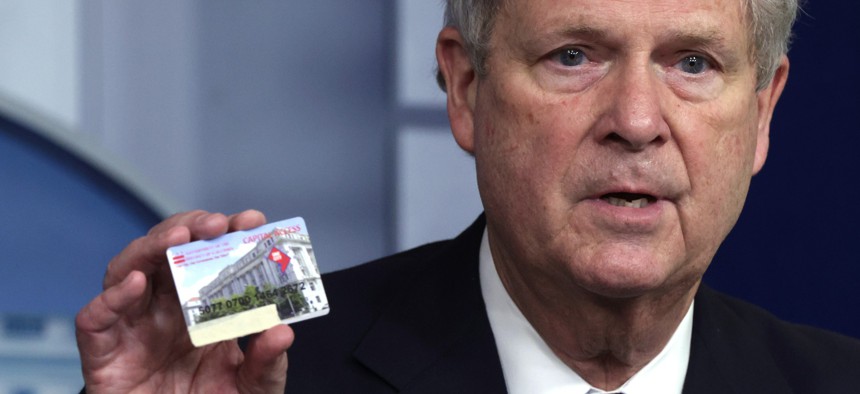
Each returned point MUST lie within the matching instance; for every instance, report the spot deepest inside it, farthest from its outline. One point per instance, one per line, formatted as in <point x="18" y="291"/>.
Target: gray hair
<point x="770" y="24"/>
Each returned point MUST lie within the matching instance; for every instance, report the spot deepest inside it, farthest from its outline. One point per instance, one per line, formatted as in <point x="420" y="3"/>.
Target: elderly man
<point x="614" y="143"/>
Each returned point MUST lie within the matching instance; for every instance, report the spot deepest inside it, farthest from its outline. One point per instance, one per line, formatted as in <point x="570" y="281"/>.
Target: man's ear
<point x="460" y="84"/>
<point x="767" y="99"/>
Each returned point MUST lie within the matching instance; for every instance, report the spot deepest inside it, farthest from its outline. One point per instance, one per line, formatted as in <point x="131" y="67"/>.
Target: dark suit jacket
<point x="415" y="322"/>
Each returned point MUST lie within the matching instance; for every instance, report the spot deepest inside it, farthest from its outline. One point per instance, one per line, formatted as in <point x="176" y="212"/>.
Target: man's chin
<point x="626" y="283"/>
<point x="621" y="291"/>
<point x="631" y="287"/>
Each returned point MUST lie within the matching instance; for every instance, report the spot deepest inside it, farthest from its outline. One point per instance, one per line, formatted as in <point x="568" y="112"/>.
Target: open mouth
<point x="629" y="200"/>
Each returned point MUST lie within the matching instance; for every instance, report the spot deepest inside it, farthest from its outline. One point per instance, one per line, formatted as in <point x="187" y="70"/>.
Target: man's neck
<point x="605" y="340"/>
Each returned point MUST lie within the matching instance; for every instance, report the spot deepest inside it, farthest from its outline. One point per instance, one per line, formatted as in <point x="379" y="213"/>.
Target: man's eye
<point x="693" y="64"/>
<point x="571" y="57"/>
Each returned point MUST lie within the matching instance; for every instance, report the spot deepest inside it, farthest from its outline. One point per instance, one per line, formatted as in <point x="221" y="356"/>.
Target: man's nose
<point x="633" y="114"/>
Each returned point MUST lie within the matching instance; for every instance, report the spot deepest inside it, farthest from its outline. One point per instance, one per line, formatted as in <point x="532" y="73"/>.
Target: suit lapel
<point x="436" y="337"/>
<point x="725" y="355"/>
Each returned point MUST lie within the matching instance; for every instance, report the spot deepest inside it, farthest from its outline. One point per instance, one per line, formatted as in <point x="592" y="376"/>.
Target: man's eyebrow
<point x="705" y="38"/>
<point x="712" y="39"/>
<point x="535" y="43"/>
<point x="582" y="31"/>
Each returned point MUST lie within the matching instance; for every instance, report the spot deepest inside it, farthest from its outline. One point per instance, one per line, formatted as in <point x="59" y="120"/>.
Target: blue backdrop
<point x="62" y="221"/>
<point x="793" y="248"/>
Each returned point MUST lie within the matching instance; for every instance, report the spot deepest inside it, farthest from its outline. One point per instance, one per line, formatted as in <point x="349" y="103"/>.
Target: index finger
<point x="147" y="254"/>
<point x="246" y="220"/>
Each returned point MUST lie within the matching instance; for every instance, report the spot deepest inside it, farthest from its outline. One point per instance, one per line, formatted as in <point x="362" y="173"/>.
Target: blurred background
<point x="114" y="114"/>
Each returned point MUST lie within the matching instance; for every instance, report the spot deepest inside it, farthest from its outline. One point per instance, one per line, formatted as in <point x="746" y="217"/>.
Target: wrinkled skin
<point x="586" y="105"/>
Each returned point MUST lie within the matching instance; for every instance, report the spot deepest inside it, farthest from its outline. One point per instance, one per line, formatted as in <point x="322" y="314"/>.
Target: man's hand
<point x="133" y="338"/>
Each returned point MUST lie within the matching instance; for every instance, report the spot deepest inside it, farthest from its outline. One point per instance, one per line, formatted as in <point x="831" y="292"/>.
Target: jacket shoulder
<point x="413" y="320"/>
<point x="805" y="358"/>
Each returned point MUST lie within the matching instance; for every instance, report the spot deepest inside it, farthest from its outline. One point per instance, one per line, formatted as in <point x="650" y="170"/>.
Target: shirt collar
<point x="529" y="366"/>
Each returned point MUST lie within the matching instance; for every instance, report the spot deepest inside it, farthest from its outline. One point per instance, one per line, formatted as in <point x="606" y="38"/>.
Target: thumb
<point x="264" y="369"/>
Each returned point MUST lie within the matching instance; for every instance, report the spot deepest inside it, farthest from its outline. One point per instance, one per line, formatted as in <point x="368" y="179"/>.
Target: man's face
<point x="615" y="140"/>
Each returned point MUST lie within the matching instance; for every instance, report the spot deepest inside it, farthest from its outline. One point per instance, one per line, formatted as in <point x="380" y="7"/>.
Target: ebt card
<point x="248" y="281"/>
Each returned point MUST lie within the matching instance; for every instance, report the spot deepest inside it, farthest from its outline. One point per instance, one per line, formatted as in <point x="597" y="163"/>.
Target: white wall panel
<point x="39" y="66"/>
<point x="418" y="23"/>
<point x="437" y="195"/>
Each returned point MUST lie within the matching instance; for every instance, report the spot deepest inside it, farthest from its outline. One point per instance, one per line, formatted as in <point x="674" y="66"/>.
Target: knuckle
<point x="176" y="219"/>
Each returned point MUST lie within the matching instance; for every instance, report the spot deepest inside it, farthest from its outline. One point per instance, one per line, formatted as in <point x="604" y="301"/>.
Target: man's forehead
<point x="727" y="7"/>
<point x="700" y="19"/>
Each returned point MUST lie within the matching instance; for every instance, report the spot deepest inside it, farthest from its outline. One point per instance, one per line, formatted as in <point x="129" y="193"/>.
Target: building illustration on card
<point x="282" y="259"/>
<point x="247" y="281"/>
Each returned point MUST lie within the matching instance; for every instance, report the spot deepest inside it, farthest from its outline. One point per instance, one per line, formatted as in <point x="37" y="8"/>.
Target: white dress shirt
<point x="530" y="366"/>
